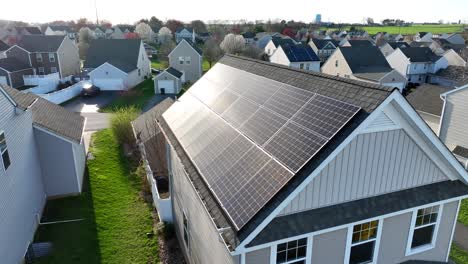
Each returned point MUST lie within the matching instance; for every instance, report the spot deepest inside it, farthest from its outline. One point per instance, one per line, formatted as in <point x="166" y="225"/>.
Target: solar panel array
<point x="248" y="135"/>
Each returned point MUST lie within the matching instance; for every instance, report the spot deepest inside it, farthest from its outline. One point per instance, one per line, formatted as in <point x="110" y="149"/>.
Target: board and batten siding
<point x="454" y="126"/>
<point x="372" y="164"/>
<point x="205" y="244"/>
<point x="22" y="195"/>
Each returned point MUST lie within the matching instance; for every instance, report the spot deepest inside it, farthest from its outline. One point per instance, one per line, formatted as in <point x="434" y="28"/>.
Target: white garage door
<point x="166" y="86"/>
<point x="109" y="84"/>
<point x="3" y="80"/>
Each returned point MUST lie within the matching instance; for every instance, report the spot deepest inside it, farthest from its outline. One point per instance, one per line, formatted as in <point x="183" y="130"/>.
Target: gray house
<point x="12" y="71"/>
<point x="187" y="58"/>
<point x="270" y="164"/>
<point x="42" y="156"/>
<point x="168" y="82"/>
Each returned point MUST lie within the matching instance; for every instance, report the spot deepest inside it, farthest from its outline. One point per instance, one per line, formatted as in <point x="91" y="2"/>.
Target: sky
<point x="344" y="11"/>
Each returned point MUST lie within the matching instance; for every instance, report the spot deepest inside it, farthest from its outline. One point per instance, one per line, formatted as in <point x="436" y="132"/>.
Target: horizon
<point x="429" y="12"/>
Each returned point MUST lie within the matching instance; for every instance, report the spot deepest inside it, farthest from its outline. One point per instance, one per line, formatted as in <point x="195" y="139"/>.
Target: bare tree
<point x="85" y="36"/>
<point x="164" y="35"/>
<point x="233" y="44"/>
<point x="212" y="52"/>
<point x="144" y="31"/>
<point x="165" y="49"/>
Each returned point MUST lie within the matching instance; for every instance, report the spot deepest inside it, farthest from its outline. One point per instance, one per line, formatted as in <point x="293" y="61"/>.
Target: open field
<point x="438" y="29"/>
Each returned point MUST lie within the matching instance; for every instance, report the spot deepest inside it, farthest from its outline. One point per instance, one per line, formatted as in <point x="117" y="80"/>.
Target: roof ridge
<point x="318" y="74"/>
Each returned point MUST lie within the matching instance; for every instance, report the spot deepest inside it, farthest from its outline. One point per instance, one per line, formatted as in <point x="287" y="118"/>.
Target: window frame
<point x="5" y="168"/>
<point x="39" y="57"/>
<point x="308" y="256"/>
<point x="181" y="60"/>
<point x="53" y="69"/>
<point x="188" y="60"/>
<point x="39" y="70"/>
<point x="185" y="228"/>
<point x="376" y="240"/>
<point x="51" y="57"/>
<point x="411" y="251"/>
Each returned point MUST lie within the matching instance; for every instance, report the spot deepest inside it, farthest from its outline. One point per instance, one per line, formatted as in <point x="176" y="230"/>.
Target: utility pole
<point x="95" y="7"/>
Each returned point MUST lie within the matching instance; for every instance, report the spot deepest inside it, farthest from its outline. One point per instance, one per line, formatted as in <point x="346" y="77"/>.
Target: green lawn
<point x="158" y="64"/>
<point x="116" y="219"/>
<point x="137" y="97"/>
<point x="463" y="214"/>
<point x="458" y="255"/>
<point x="411" y="29"/>
<point x="205" y="65"/>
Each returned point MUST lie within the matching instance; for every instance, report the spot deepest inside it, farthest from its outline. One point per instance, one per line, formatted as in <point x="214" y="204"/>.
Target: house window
<point x="51" y="57"/>
<point x="181" y="60"/>
<point x="186" y="229"/>
<point x="425" y="66"/>
<point x="301" y="66"/>
<point x="188" y="60"/>
<point x="41" y="70"/>
<point x="292" y="252"/>
<point x="38" y="57"/>
<point x="139" y="72"/>
<point x="414" y="66"/>
<point x="307" y="66"/>
<point x="363" y="240"/>
<point x="424" y="227"/>
<point x="53" y="69"/>
<point x="4" y="151"/>
<point x="336" y="63"/>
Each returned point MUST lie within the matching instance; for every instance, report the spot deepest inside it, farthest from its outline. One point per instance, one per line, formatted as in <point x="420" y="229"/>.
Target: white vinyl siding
<point x="372" y="164"/>
<point x="454" y="125"/>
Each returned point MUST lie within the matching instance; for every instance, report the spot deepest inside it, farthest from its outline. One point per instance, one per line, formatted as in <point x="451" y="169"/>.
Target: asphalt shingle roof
<point x="459" y="74"/>
<point x="398" y="44"/>
<point x="145" y="125"/>
<point x="41" y="43"/>
<point x="281" y="41"/>
<point x="197" y="49"/>
<point x="3" y="46"/>
<point x="420" y="54"/>
<point x="174" y="72"/>
<point x="366" y="95"/>
<point x="121" y="53"/>
<point x="48" y="115"/>
<point x="299" y="52"/>
<point x="61" y="28"/>
<point x="30" y="30"/>
<point x="13" y="64"/>
<point x="321" y="43"/>
<point x="354" y="211"/>
<point x="426" y="98"/>
<point x="361" y="43"/>
<point x="366" y="59"/>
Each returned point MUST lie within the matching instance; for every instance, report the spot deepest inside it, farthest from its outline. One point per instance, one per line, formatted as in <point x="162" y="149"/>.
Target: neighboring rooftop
<point x="3" y="46"/>
<point x="420" y="54"/>
<point x="48" y="115"/>
<point x="30" y="30"/>
<point x="459" y="74"/>
<point x="194" y="46"/>
<point x="282" y="40"/>
<point x="299" y="52"/>
<point x="365" y="60"/>
<point x="174" y="72"/>
<point x="12" y="64"/>
<point x="67" y="29"/>
<point x="321" y="43"/>
<point x="41" y="43"/>
<point x="121" y="53"/>
<point x="398" y="44"/>
<point x="426" y="98"/>
<point x="361" y="43"/>
<point x="248" y="35"/>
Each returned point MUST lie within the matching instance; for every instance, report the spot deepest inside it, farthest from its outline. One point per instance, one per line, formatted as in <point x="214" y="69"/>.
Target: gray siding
<point x="395" y="234"/>
<point x="192" y="71"/>
<point x="455" y="116"/>
<point x="58" y="164"/>
<point x="22" y="194"/>
<point x="167" y="76"/>
<point x="372" y="164"/>
<point x="68" y="58"/>
<point x="205" y="245"/>
<point x="329" y="247"/>
<point x="258" y="256"/>
<point x="17" y="77"/>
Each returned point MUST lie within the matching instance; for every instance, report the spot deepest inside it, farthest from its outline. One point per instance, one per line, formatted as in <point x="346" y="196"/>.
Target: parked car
<point x="90" y="90"/>
<point x="155" y="71"/>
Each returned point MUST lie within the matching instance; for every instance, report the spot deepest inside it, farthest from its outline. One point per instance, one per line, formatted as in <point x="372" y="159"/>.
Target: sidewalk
<point x="461" y="236"/>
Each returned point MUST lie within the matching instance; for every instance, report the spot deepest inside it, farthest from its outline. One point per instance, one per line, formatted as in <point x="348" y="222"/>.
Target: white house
<point x="42" y="156"/>
<point x="61" y="31"/>
<point x="185" y="33"/>
<point x="169" y="81"/>
<point x="363" y="63"/>
<point x="117" y="64"/>
<point x="423" y="37"/>
<point x="323" y="47"/>
<point x="275" y="41"/>
<point x="297" y="56"/>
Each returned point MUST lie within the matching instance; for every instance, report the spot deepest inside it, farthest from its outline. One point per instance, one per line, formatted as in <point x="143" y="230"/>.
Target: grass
<point x="158" y="64"/>
<point x="437" y="29"/>
<point x="463" y="213"/>
<point x="458" y="255"/>
<point x="136" y="97"/>
<point x="116" y="219"/>
<point x="205" y="65"/>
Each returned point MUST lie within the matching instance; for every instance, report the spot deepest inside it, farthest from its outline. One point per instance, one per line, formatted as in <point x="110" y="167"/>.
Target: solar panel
<point x="248" y="135"/>
<point x="294" y="145"/>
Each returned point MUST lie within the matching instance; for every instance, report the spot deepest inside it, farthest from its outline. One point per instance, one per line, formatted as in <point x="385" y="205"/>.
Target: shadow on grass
<point x="75" y="242"/>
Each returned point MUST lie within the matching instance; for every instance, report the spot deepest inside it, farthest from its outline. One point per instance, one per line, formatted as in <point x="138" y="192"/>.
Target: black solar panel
<point x="248" y="135"/>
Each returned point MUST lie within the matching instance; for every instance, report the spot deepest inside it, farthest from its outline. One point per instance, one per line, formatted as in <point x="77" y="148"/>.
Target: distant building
<point x="318" y="18"/>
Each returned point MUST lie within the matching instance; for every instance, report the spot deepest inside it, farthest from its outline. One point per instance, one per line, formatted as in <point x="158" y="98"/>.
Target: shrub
<point x="120" y="124"/>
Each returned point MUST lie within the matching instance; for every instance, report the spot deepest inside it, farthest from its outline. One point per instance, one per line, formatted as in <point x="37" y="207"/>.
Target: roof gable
<point x="121" y="53"/>
<point x="13" y="64"/>
<point x="190" y="44"/>
<point x="420" y="54"/>
<point x="365" y="59"/>
<point x="299" y="53"/>
<point x="41" y="43"/>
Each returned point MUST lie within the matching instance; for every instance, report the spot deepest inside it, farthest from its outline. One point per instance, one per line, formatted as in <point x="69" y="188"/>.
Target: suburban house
<point x="99" y="32"/>
<point x="168" y="82"/>
<point x="454" y="38"/>
<point x="451" y="76"/>
<point x="42" y="156"/>
<point x="47" y="54"/>
<point x="423" y="37"/>
<point x="299" y="56"/>
<point x="263" y="38"/>
<point x="453" y="124"/>
<point x="185" y="33"/>
<point x="117" y="64"/>
<point x="365" y="63"/>
<point x="249" y="37"/>
<point x="3" y="48"/>
<point x="14" y="34"/>
<point x="388" y="47"/>
<point x="270" y="164"/>
<point x="356" y="43"/>
<point x="274" y="43"/>
<point x="12" y="71"/>
<point x="62" y="31"/>
<point x="427" y="102"/>
<point x="187" y="58"/>
<point x="323" y="47"/>
<point x="118" y="32"/>
<point x="358" y="34"/>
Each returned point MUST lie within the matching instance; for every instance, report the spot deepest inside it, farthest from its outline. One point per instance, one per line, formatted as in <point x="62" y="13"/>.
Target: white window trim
<point x="307" y="258"/>
<point x="6" y="150"/>
<point x="420" y="249"/>
<point x="39" y="57"/>
<point x="349" y="240"/>
<point x="187" y="245"/>
<point x="51" y="58"/>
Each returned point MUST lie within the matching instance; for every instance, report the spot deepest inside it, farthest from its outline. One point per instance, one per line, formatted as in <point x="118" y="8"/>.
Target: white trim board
<point x="110" y="65"/>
